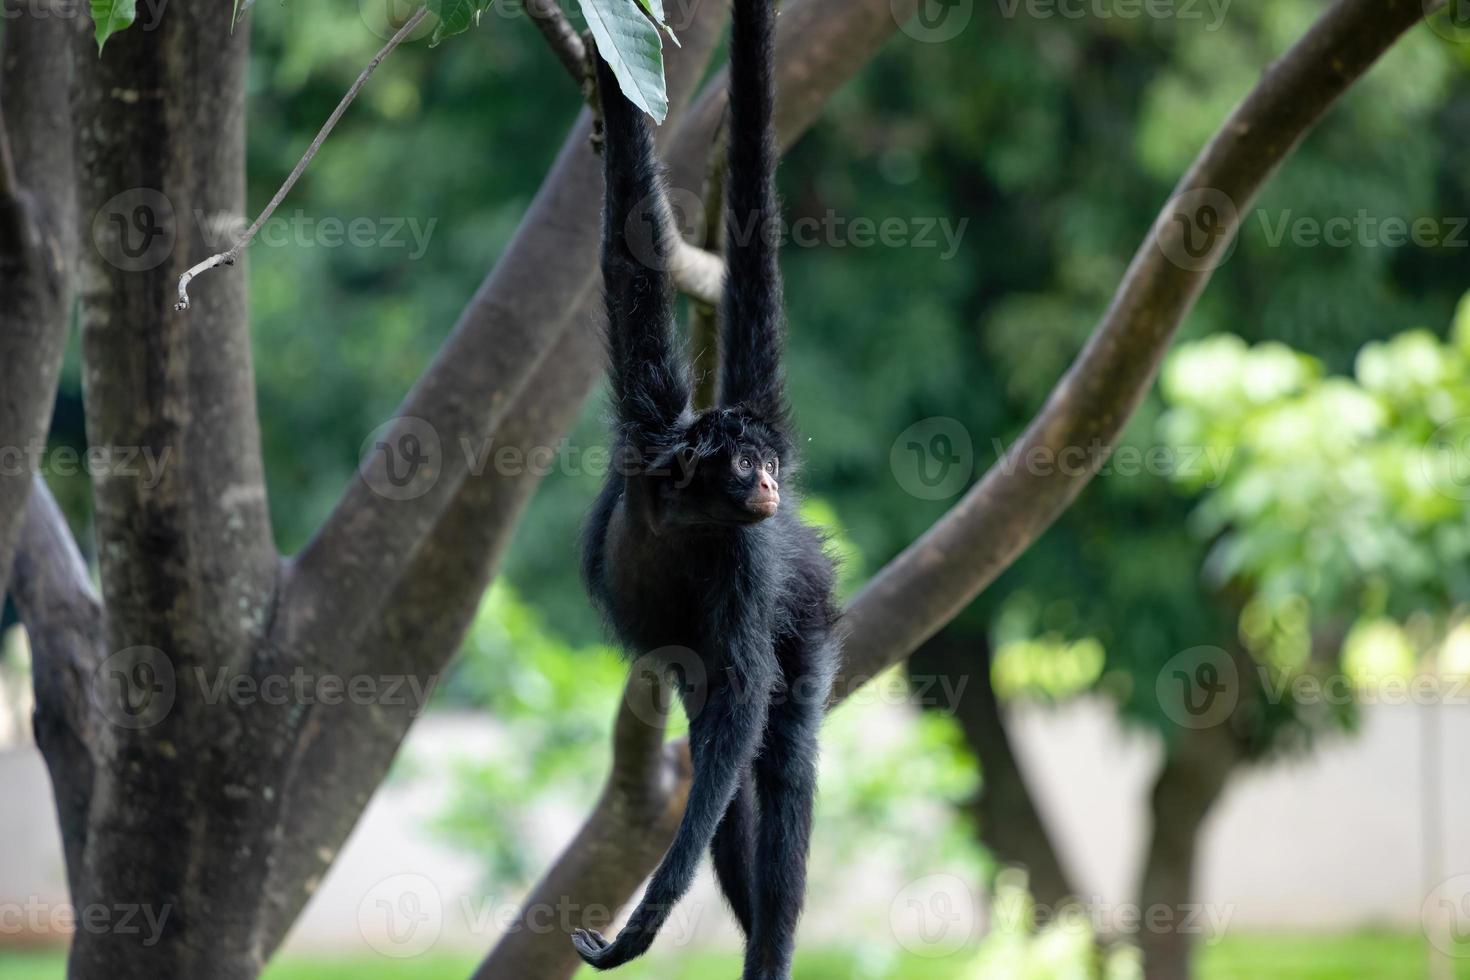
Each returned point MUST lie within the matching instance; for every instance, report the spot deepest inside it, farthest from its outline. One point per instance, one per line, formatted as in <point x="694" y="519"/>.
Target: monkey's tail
<point x="724" y="735"/>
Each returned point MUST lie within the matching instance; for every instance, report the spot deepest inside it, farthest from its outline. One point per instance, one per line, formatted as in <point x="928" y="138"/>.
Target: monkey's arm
<point x="650" y="389"/>
<point x="727" y="731"/>
<point x="754" y="319"/>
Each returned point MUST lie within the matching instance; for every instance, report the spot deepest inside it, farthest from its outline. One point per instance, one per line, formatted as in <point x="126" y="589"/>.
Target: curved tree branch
<point x="63" y="618"/>
<point x="37" y="217"/>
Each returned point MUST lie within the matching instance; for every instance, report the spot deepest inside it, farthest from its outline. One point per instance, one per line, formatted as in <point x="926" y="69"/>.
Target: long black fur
<point x="673" y="556"/>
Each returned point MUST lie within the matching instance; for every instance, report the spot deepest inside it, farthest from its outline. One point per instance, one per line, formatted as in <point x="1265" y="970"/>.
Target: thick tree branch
<point x="936" y="576"/>
<point x="36" y="221"/>
<point x="1006" y="815"/>
<point x="563" y="40"/>
<point x="63" y="618"/>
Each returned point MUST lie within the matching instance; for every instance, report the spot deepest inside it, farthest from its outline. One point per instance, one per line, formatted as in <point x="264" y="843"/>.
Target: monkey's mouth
<point x="763" y="505"/>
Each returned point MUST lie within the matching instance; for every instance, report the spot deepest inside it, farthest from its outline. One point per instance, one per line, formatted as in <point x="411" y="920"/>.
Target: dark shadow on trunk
<point x="1196" y="769"/>
<point x="1006" y="817"/>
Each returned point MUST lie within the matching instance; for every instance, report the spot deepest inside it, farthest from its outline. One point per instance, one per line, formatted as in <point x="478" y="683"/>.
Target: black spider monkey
<point x="690" y="545"/>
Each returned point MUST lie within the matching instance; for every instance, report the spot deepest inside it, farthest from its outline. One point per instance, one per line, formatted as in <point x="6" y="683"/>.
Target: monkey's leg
<point x="733" y="851"/>
<point x="786" y="783"/>
<point x="728" y="732"/>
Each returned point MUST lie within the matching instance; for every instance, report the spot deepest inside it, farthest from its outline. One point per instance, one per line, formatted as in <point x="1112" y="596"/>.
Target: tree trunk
<point x="1195" y="772"/>
<point x="1007" y="819"/>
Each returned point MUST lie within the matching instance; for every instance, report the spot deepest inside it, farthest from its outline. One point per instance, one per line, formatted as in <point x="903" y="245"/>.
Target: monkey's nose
<point x="767" y="483"/>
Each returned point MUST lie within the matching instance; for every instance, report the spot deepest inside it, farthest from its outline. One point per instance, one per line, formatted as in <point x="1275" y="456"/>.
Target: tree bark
<point x="1007" y="819"/>
<point x="37" y="213"/>
<point x="1196" y="769"/>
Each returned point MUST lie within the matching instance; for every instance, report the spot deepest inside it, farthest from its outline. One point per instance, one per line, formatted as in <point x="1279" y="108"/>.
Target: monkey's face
<point x="725" y="477"/>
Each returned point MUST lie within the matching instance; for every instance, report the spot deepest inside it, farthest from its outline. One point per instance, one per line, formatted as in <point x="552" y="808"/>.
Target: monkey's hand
<point x="592" y="947"/>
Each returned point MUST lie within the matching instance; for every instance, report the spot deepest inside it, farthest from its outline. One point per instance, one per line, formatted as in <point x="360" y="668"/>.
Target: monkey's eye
<point x="745" y="464"/>
<point x="772" y="465"/>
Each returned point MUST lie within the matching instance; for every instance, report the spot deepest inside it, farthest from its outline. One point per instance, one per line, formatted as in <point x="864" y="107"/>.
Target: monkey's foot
<point x="591" y="946"/>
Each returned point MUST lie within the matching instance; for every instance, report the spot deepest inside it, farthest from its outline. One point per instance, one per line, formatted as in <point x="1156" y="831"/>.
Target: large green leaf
<point x="111" y="16"/>
<point x="456" y="16"/>
<point x="631" y="46"/>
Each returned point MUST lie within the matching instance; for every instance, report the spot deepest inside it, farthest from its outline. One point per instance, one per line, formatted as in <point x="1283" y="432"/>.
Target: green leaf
<point x="455" y="16"/>
<point x="633" y="49"/>
<point x="241" y="6"/>
<point x="111" y="16"/>
<point x="655" y="10"/>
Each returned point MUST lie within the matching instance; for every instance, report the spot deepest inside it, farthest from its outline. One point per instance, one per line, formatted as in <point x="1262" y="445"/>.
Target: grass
<point x="1380" y="956"/>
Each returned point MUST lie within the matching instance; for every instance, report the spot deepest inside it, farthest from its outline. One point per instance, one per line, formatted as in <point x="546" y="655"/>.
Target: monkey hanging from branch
<point x="692" y="544"/>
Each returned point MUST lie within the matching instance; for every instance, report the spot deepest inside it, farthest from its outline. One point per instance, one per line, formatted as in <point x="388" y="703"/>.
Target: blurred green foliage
<point x="1336" y="506"/>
